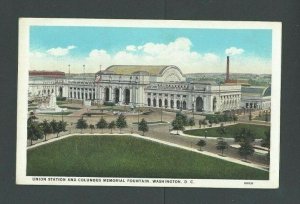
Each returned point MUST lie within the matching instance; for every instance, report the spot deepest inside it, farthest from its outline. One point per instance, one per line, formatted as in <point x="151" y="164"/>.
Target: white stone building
<point x="256" y="97"/>
<point x="144" y="86"/>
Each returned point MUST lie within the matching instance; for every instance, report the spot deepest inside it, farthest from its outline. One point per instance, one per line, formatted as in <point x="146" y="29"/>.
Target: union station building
<point x="139" y="86"/>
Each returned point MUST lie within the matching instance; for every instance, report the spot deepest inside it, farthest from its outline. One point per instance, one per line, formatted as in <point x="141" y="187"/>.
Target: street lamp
<point x="161" y="114"/>
<point x="138" y="109"/>
<point x="205" y="134"/>
<point x="193" y="106"/>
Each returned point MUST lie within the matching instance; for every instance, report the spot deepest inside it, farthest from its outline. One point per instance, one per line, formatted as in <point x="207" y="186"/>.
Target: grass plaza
<point x="125" y="156"/>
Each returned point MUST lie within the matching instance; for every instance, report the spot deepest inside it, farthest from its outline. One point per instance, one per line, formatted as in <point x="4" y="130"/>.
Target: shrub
<point x="107" y="103"/>
<point x="58" y="98"/>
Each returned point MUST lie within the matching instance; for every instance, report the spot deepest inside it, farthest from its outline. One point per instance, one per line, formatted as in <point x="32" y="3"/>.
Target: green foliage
<point x="183" y="118"/>
<point x="143" y="126"/>
<point x="201" y="143"/>
<point x="217" y="118"/>
<point x="61" y="127"/>
<point x="221" y="145"/>
<point x="34" y="130"/>
<point x="232" y="130"/>
<point x="266" y="141"/>
<point x="92" y="127"/>
<point x="81" y="124"/>
<point x="111" y="126"/>
<point x="222" y="130"/>
<point x="177" y="124"/>
<point x="244" y="134"/>
<point x="235" y="118"/>
<point x="102" y="124"/>
<point x="246" y="149"/>
<point x="58" y="98"/>
<point x="107" y="103"/>
<point x="191" y="122"/>
<point x="200" y="122"/>
<point x="54" y="126"/>
<point x="121" y="122"/>
<point x="47" y="128"/>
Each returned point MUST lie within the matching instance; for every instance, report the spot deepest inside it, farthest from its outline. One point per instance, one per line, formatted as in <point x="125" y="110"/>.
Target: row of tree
<point x="120" y="123"/>
<point x="181" y="120"/>
<point x="39" y="130"/>
<point x="102" y="124"/>
<point x="244" y="137"/>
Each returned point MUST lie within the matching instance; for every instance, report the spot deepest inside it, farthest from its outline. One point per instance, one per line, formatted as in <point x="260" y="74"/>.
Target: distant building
<point x="256" y="97"/>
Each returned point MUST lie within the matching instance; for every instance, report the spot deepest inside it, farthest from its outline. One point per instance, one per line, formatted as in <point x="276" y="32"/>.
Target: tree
<point x="191" y="122"/>
<point x="121" y="122"/>
<point x="204" y="123"/>
<point x="244" y="135"/>
<point x="267" y="117"/>
<point x="222" y="145"/>
<point x="102" y="124"/>
<point x="61" y="127"/>
<point x="246" y="149"/>
<point x="183" y="118"/>
<point x="34" y="130"/>
<point x="266" y="142"/>
<point x="201" y="143"/>
<point x="111" y="126"/>
<point x="200" y="123"/>
<point x="47" y="128"/>
<point x="177" y="124"/>
<point x="143" y="126"/>
<point x="222" y="130"/>
<point x="92" y="127"/>
<point x="54" y="126"/>
<point x="250" y="116"/>
<point x="235" y="118"/>
<point x="81" y="124"/>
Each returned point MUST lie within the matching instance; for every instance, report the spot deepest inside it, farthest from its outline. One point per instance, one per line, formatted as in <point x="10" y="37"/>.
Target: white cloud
<point x="59" y="51"/>
<point x="37" y="54"/>
<point x="178" y="52"/>
<point x="234" y="51"/>
<point x="131" y="48"/>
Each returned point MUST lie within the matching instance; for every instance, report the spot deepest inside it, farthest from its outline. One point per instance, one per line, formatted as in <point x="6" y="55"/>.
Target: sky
<point x="193" y="50"/>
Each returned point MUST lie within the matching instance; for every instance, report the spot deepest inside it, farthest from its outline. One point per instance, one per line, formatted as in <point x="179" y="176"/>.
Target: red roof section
<point x="54" y="74"/>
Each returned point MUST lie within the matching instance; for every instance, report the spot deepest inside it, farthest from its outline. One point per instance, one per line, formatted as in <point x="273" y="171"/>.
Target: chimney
<point x="227" y="69"/>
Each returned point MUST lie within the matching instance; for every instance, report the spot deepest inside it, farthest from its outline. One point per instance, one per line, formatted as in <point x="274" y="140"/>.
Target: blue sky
<point x="193" y="50"/>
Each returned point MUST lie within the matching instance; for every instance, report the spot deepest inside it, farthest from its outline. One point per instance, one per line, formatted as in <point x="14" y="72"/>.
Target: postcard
<point x="150" y="103"/>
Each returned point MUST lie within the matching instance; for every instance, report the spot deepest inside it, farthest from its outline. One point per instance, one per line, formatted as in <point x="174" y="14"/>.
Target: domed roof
<point x="134" y="69"/>
<point x="256" y="90"/>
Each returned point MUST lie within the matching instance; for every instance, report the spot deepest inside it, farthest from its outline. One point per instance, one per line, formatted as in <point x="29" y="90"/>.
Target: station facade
<point x="142" y="86"/>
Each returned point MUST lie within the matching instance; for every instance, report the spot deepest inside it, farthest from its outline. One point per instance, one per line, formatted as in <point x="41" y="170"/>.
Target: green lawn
<point x="56" y="113"/>
<point x="69" y="107"/>
<point x="262" y="118"/>
<point x="258" y="130"/>
<point x="126" y="156"/>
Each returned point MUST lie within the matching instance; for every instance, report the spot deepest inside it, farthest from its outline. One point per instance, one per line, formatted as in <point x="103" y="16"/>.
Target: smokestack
<point x="227" y="69"/>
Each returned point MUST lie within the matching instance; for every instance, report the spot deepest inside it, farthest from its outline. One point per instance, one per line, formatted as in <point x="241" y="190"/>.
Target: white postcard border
<point x="23" y="68"/>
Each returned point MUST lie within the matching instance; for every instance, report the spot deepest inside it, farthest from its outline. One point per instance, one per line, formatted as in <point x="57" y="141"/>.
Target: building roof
<point x="133" y="69"/>
<point x="43" y="73"/>
<point x="256" y="91"/>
